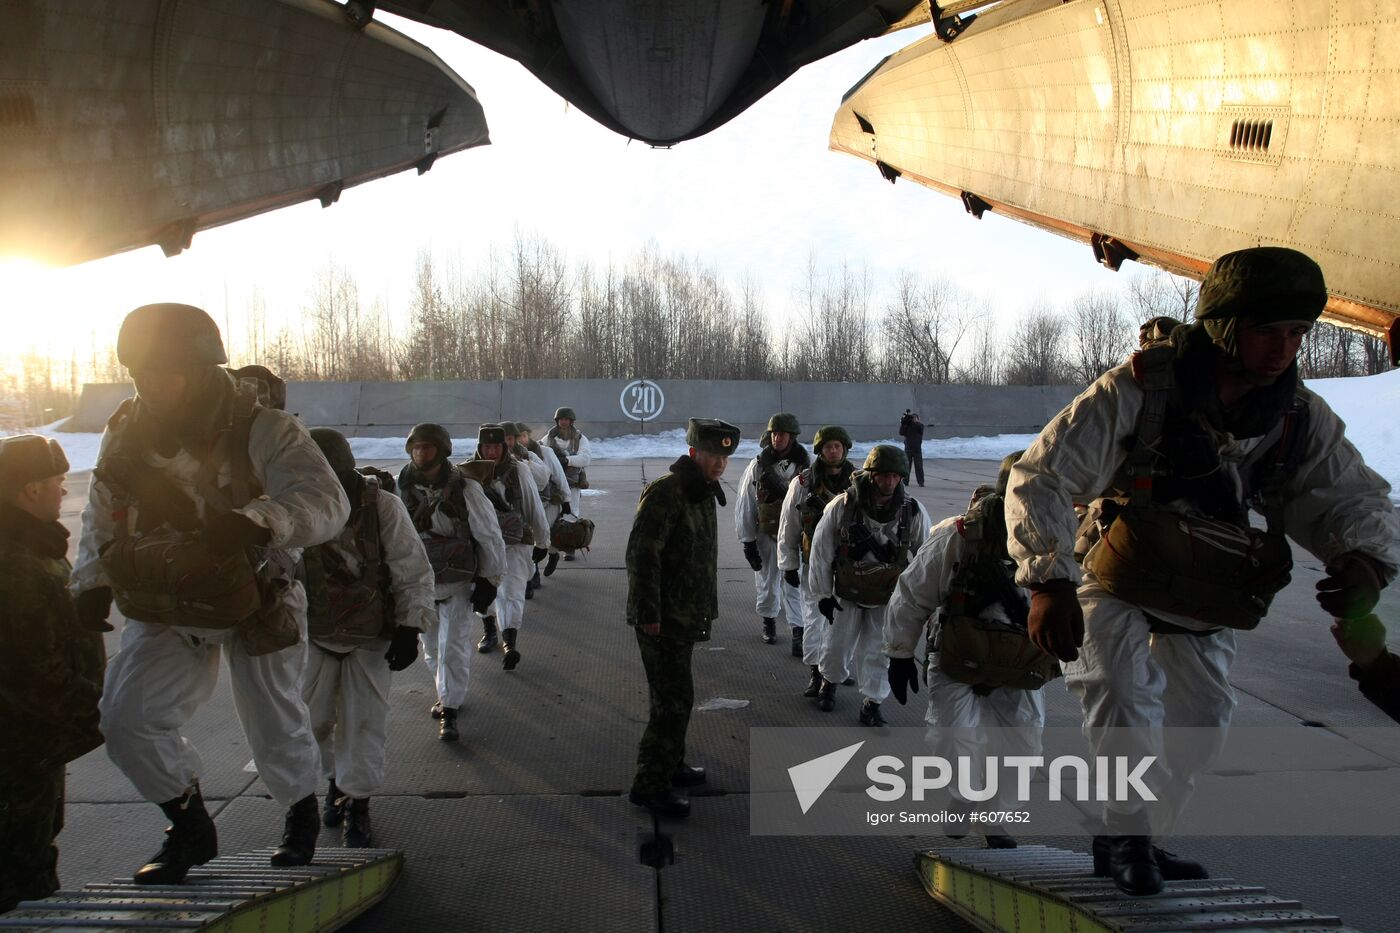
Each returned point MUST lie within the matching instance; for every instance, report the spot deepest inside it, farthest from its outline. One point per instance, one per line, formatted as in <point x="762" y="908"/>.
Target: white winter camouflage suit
<point x="509" y="607"/>
<point x="580" y="458"/>
<point x="1126" y="677"/>
<point x="790" y="558"/>
<point x="347" y="686"/>
<point x="163" y="674"/>
<point x="857" y="632"/>
<point x="447" y="639"/>
<point x="774" y="599"/>
<point x="958" y="718"/>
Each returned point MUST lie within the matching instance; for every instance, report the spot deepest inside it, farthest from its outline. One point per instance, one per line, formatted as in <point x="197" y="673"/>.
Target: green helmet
<point x="886" y="458"/>
<point x="831" y="432"/>
<point x="176" y="335"/>
<point x="1004" y="472"/>
<point x="336" y="449"/>
<point x="1157" y="328"/>
<point x="786" y="422"/>
<point x="431" y="433"/>
<point x="1266" y="284"/>
<point x="510" y="428"/>
<point x="565" y="413"/>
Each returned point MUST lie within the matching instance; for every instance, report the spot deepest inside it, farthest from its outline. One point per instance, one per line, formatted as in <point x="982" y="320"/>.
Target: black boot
<point x="488" y="634"/>
<point x="551" y="564"/>
<point x="814" y="685"/>
<point x="826" y="696"/>
<point x="357" y="824"/>
<point x="530" y="587"/>
<point x="447" y="727"/>
<point x="1171" y="867"/>
<point x="1130" y="863"/>
<point x="870" y="714"/>
<point x="796" y="642"/>
<point x="332" y="813"/>
<point x="535" y="580"/>
<point x="190" y="840"/>
<point x="512" y="657"/>
<point x="770" y="630"/>
<point x="686" y="776"/>
<point x="299" y="832"/>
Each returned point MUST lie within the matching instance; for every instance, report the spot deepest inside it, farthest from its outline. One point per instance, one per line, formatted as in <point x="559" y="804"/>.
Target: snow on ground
<point x="1368" y="405"/>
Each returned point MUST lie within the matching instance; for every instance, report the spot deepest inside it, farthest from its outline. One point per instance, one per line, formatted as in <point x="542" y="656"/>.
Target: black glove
<point x="1056" y="620"/>
<point x="403" y="648"/>
<point x="751" y="555"/>
<point x="1351" y="588"/>
<point x="904" y="673"/>
<point x="538" y="554"/>
<point x="563" y="459"/>
<point x="94" y="606"/>
<point x="233" y="531"/>
<point x="566" y="509"/>
<point x="828" y="607"/>
<point x="483" y="594"/>
<point x="791" y="578"/>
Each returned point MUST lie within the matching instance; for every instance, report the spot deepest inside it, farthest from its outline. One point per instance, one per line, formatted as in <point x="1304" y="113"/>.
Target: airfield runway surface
<point x="524" y="825"/>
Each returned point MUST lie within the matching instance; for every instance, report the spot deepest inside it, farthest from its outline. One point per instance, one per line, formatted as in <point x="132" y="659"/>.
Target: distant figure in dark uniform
<point x="912" y="430"/>
<point x="50" y="670"/>
<point x="672" y="600"/>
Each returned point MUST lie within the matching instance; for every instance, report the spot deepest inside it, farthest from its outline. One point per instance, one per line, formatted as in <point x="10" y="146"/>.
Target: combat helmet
<point x="431" y="433"/>
<point x="1265" y="284"/>
<point x="335" y="448"/>
<point x="886" y="458"/>
<point x="830" y="432"/>
<point x="169" y="336"/>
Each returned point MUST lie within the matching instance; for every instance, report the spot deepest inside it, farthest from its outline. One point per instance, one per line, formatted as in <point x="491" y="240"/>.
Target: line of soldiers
<point x="220" y="526"/>
<point x="1117" y="550"/>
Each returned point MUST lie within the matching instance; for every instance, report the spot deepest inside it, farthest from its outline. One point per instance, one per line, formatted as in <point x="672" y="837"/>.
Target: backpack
<point x="1213" y="571"/>
<point x="988" y="653"/>
<point x="344" y="606"/>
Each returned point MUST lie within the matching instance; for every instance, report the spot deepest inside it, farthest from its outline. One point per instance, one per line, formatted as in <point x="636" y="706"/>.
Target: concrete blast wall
<point x="868" y="411"/>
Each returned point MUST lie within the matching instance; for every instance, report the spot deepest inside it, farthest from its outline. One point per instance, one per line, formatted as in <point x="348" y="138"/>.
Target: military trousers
<point x="775" y="599"/>
<point x="348" y="697"/>
<point x="31" y="816"/>
<point x="672" y="695"/>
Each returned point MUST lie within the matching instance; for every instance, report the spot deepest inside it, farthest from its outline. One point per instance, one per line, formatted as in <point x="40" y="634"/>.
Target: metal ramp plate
<point x="233" y="894"/>
<point x="1038" y="889"/>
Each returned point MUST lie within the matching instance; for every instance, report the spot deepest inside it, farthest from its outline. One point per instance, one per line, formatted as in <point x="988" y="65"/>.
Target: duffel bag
<point x="868" y="585"/>
<point x="171" y="578"/>
<point x="992" y="654"/>
<point x="571" y="535"/>
<point x="1208" y="570"/>
<point x="453" y="559"/>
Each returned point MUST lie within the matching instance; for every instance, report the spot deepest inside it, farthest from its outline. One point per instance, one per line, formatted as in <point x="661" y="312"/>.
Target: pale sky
<point x="756" y="197"/>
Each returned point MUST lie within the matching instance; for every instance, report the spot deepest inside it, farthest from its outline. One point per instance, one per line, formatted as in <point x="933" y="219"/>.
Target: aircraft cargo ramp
<point x="233" y="894"/>
<point x="1038" y="889"/>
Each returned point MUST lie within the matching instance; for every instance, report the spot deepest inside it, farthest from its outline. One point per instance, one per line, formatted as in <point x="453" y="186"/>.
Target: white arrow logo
<point x="811" y="778"/>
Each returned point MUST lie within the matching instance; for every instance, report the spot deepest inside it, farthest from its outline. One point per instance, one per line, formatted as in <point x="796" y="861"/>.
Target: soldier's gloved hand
<point x="403" y="648"/>
<point x="94" y="606"/>
<point x="1352" y="586"/>
<point x="563" y="459"/>
<point x="538" y="554"/>
<point x="904" y="674"/>
<point x="751" y="555"/>
<point x="483" y="594"/>
<point x="1361" y="639"/>
<point x="1056" y="620"/>
<point x="566" y="509"/>
<point x="233" y="531"/>
<point x="829" y="607"/>
<point x="791" y="578"/>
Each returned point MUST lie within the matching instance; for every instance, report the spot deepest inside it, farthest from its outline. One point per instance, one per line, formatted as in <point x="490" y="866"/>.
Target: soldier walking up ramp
<point x="1037" y="889"/>
<point x="233" y="894"/>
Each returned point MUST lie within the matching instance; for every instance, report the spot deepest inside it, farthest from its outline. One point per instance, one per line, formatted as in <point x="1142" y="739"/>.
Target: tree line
<point x="525" y="312"/>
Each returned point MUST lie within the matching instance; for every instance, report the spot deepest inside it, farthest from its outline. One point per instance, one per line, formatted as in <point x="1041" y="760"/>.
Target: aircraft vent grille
<point x="1253" y="133"/>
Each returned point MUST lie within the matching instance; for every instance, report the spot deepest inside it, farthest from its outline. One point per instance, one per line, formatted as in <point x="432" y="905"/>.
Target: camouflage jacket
<point x="672" y="555"/>
<point x="51" y="670"/>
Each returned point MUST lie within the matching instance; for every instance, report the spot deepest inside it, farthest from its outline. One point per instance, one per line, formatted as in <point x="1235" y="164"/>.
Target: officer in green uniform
<point x="672" y="600"/>
<point x="50" y="670"/>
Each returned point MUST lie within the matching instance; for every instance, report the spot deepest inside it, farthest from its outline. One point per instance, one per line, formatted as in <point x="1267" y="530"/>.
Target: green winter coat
<point x="51" y="670"/>
<point x="672" y="555"/>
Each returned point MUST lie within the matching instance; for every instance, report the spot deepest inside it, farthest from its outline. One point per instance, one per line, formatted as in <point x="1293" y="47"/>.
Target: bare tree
<point x="833" y="332"/>
<point x="921" y="330"/>
<point x="1103" y="336"/>
<point x="1157" y="293"/>
<point x="1035" y="354"/>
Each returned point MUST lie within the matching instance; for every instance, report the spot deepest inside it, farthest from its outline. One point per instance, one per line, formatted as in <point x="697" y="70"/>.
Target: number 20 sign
<point x="642" y="400"/>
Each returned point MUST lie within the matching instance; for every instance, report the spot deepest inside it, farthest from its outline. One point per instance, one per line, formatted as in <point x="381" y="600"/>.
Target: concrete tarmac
<point x="524" y="824"/>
